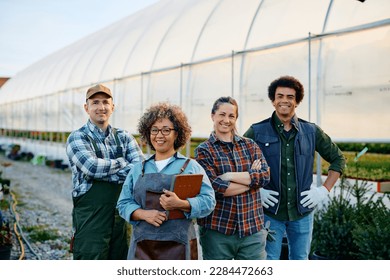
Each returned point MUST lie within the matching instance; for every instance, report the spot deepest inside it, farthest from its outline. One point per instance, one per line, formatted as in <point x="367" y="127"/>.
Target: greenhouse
<point x="190" y="52"/>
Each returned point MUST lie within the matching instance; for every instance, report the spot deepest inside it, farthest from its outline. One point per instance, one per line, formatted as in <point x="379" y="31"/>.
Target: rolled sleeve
<point x="203" y="204"/>
<point x="261" y="177"/>
<point x="126" y="204"/>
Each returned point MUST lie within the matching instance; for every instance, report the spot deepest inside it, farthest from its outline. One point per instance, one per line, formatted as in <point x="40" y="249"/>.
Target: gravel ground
<point x="44" y="199"/>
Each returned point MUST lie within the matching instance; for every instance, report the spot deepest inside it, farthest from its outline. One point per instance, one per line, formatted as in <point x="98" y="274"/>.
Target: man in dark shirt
<point x="289" y="145"/>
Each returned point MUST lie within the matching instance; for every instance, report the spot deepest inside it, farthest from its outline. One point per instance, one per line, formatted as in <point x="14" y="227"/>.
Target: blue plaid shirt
<point x="113" y="163"/>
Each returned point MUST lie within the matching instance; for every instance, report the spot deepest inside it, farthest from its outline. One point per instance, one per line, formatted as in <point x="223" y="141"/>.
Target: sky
<point x="33" y="29"/>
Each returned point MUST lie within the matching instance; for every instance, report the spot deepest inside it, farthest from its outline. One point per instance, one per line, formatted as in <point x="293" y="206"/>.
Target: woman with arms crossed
<point x="237" y="170"/>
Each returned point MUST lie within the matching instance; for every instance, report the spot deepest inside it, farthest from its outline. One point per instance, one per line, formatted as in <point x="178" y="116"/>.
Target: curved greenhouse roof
<point x="193" y="51"/>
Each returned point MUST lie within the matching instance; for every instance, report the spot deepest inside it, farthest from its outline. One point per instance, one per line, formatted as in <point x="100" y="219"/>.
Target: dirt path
<point x="44" y="199"/>
<point x="41" y="185"/>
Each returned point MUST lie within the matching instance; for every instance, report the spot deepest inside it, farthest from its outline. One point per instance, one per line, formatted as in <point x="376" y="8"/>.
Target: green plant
<point x="380" y="148"/>
<point x="332" y="229"/>
<point x="372" y="232"/>
<point x="354" y="225"/>
<point x="5" y="234"/>
<point x="373" y="167"/>
<point x="41" y="233"/>
<point x="4" y="204"/>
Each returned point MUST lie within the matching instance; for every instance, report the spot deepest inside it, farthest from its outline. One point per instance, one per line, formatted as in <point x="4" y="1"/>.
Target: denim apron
<point x="100" y="233"/>
<point x="174" y="239"/>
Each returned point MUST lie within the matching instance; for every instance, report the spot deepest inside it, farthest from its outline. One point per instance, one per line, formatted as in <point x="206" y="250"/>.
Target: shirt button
<point x="288" y="174"/>
<point x="288" y="159"/>
<point x="288" y="145"/>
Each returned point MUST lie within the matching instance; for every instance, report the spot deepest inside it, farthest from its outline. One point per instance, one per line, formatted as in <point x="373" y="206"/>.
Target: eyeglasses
<point x="164" y="131"/>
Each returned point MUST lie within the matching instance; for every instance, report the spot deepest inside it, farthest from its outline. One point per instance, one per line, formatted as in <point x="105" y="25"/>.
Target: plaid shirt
<point x="112" y="165"/>
<point x="243" y="213"/>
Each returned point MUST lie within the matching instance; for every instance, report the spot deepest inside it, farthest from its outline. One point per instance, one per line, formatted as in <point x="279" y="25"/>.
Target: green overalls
<point x="100" y="233"/>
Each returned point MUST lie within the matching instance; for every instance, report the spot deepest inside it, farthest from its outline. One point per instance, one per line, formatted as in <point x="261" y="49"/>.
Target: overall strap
<point x="116" y="136"/>
<point x="184" y="165"/>
<point x="96" y="148"/>
<point x="98" y="152"/>
<point x="143" y="168"/>
<point x="119" y="150"/>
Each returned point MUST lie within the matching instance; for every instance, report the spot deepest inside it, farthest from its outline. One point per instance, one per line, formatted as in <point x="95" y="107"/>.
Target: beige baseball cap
<point x="98" y="88"/>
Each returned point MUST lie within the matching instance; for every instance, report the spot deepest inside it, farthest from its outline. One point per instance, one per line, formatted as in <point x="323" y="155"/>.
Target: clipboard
<point x="184" y="186"/>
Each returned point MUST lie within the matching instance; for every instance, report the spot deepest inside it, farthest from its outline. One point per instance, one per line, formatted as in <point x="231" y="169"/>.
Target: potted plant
<point x="5" y="239"/>
<point x="4" y="182"/>
<point x="353" y="225"/>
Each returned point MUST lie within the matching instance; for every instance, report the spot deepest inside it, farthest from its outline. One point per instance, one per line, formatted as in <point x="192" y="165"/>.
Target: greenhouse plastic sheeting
<point x="190" y="52"/>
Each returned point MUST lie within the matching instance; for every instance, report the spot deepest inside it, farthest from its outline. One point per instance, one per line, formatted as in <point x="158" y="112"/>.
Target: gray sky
<point x="33" y="29"/>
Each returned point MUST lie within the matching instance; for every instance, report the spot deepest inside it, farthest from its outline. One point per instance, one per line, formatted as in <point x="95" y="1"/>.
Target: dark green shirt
<point x="288" y="209"/>
<point x="328" y="150"/>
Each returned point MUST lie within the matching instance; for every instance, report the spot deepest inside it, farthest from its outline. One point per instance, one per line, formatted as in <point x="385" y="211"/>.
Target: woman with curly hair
<point x="145" y="198"/>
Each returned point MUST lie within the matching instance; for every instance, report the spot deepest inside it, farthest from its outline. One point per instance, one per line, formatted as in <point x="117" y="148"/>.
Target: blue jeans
<point x="299" y="235"/>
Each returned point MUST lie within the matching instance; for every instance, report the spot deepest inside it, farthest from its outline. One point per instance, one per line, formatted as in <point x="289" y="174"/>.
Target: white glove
<point x="314" y="196"/>
<point x="267" y="198"/>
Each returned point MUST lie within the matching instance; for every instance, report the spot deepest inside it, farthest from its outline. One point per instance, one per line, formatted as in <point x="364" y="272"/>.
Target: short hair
<point x="165" y="110"/>
<point x="289" y="82"/>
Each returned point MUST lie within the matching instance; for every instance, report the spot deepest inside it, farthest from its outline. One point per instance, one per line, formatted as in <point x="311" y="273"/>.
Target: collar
<point x="214" y="138"/>
<point x="280" y="126"/>
<point x="175" y="156"/>
<point x="95" y="129"/>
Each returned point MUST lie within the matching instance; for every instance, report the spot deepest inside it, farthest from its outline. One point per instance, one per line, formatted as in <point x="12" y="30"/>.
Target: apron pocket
<point x="160" y="250"/>
<point x="153" y="201"/>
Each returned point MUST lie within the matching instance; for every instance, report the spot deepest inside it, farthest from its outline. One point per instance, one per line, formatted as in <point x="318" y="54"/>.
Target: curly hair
<point x="289" y="82"/>
<point x="164" y="110"/>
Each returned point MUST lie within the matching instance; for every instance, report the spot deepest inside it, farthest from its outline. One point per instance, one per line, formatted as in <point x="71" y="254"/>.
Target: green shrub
<point x="332" y="229"/>
<point x="41" y="233"/>
<point x="372" y="167"/>
<point x="4" y="204"/>
<point x="372" y="233"/>
<point x="348" y="230"/>
<point x="380" y="148"/>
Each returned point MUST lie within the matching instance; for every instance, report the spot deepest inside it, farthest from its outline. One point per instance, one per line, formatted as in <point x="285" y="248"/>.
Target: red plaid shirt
<point x="243" y="213"/>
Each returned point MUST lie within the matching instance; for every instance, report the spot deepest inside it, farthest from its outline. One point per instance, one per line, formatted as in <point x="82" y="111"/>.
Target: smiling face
<point x="99" y="107"/>
<point x="285" y="102"/>
<point x="224" y="120"/>
<point x="163" y="144"/>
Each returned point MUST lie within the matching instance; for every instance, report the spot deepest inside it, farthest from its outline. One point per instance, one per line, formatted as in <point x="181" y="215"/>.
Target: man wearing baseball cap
<point x="99" y="88"/>
<point x="100" y="158"/>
